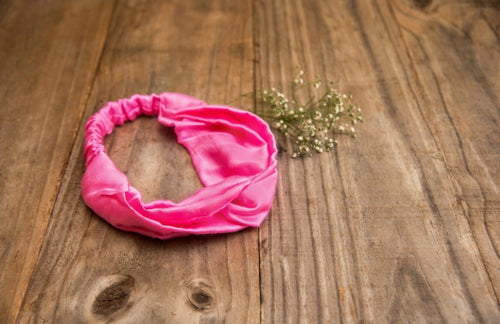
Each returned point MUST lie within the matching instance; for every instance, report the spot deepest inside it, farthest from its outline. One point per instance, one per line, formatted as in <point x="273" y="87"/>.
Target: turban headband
<point x="233" y="151"/>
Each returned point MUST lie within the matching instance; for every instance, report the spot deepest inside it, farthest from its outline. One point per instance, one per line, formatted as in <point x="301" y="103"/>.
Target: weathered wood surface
<point x="89" y="271"/>
<point x="399" y="225"/>
<point x="48" y="59"/>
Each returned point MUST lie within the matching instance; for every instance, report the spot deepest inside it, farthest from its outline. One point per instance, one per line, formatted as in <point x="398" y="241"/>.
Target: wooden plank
<point x="465" y="120"/>
<point x="400" y="225"/>
<point x="48" y="56"/>
<point x="90" y="272"/>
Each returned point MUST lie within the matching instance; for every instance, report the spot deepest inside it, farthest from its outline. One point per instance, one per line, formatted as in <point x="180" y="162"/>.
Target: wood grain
<point x="48" y="57"/>
<point x="90" y="272"/>
<point x="400" y="225"/>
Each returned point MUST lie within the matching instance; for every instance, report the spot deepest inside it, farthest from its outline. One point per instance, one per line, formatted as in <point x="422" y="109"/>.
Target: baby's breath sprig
<point x="315" y="125"/>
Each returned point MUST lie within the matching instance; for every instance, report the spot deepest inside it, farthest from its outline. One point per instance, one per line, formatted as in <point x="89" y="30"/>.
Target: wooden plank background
<point x="398" y="225"/>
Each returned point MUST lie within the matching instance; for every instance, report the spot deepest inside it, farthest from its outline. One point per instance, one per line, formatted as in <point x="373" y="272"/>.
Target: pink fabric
<point x="233" y="151"/>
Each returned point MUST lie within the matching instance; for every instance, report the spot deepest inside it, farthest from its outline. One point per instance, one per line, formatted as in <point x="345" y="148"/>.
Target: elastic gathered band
<point x="233" y="151"/>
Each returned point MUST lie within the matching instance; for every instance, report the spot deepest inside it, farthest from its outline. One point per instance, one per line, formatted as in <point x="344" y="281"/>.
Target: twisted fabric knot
<point x="233" y="151"/>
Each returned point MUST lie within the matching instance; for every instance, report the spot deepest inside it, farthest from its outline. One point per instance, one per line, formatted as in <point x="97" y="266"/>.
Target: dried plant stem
<point x="314" y="126"/>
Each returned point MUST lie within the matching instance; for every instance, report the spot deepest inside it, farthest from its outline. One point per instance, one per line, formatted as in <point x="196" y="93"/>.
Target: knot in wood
<point x="113" y="297"/>
<point x="201" y="295"/>
<point x="422" y="4"/>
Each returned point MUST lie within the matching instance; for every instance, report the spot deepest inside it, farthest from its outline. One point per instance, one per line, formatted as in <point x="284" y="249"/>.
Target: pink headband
<point x="233" y="151"/>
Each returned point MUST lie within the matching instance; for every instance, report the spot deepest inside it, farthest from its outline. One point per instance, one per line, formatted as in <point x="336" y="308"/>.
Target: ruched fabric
<point x="233" y="151"/>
